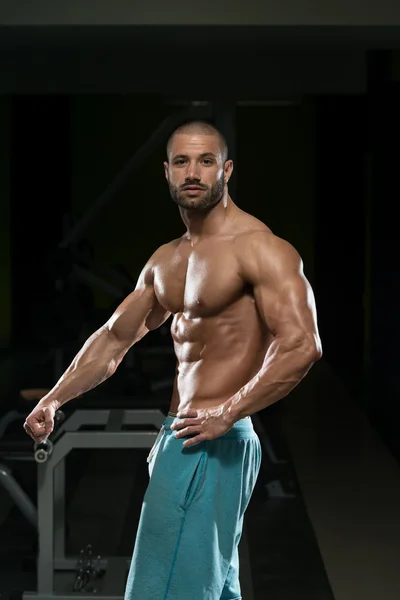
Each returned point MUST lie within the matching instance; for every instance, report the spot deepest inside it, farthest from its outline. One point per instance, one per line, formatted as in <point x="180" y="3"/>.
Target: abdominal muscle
<point x="216" y="356"/>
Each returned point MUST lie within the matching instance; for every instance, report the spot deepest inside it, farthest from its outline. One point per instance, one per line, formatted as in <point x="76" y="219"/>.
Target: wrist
<point x="52" y="402"/>
<point x="232" y="412"/>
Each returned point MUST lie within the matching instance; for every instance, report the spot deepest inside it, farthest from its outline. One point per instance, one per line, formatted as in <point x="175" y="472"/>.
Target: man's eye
<point x="179" y="161"/>
<point x="207" y="161"/>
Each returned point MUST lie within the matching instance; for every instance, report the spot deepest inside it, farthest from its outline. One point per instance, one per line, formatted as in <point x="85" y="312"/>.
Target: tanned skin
<point x="244" y="320"/>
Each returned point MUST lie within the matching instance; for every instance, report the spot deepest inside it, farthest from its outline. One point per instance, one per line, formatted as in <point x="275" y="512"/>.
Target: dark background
<point x="316" y="129"/>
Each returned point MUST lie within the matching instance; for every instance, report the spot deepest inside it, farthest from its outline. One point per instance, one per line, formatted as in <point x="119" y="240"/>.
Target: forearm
<point x="95" y="362"/>
<point x="284" y="366"/>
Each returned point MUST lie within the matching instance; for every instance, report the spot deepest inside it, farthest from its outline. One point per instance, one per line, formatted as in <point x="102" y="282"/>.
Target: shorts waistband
<point x="242" y="428"/>
<point x="171" y="414"/>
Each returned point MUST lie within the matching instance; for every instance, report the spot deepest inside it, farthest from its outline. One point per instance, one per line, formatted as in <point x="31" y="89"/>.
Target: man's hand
<point x="207" y="423"/>
<point x="40" y="422"/>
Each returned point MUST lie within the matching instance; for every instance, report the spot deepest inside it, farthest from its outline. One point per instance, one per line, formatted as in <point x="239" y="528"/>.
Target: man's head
<point x="198" y="168"/>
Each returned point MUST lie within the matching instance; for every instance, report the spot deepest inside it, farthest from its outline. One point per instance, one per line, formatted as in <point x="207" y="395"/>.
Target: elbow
<point x="306" y="347"/>
<point x="310" y="349"/>
<point x="314" y="349"/>
<point x="316" y="355"/>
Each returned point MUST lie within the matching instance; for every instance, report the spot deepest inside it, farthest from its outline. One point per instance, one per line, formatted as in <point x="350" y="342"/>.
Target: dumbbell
<point x="42" y="451"/>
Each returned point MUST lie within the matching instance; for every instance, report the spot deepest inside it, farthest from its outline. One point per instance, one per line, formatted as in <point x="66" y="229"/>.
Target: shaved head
<point x="202" y="128"/>
<point x="197" y="167"/>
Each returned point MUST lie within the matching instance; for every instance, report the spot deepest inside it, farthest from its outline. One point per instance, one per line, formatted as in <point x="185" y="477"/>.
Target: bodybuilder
<point x="245" y="333"/>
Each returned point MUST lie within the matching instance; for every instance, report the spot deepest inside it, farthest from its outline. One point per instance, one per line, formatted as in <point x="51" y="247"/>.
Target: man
<point x="245" y="333"/>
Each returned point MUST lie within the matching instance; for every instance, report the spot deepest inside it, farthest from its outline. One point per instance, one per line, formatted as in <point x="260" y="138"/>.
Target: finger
<point x="28" y="430"/>
<point x="188" y="431"/>
<point x="36" y="438"/>
<point x="48" y="419"/>
<point x="194" y="440"/>
<point x="187" y="414"/>
<point x="184" y="423"/>
<point x="36" y="427"/>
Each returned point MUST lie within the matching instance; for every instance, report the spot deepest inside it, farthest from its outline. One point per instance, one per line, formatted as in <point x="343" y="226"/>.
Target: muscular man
<point x="245" y="333"/>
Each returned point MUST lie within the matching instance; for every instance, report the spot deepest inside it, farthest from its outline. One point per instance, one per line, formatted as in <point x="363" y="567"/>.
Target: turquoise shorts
<point x="191" y="520"/>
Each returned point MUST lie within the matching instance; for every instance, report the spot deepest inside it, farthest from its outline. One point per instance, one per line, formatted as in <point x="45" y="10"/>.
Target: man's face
<point x="196" y="172"/>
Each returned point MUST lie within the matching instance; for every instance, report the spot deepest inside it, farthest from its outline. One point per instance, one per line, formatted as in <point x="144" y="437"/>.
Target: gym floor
<point x="337" y="537"/>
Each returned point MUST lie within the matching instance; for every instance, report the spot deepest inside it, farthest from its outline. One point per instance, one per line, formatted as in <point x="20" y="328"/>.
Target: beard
<point x="209" y="197"/>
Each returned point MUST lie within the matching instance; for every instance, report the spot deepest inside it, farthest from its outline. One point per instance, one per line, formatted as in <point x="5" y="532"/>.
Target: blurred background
<point x="312" y="120"/>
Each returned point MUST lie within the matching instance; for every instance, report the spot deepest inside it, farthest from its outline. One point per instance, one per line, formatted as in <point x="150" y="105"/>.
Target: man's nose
<point x="193" y="171"/>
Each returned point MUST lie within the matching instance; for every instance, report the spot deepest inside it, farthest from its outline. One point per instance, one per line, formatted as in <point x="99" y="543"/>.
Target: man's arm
<point x="286" y="304"/>
<point x="104" y="350"/>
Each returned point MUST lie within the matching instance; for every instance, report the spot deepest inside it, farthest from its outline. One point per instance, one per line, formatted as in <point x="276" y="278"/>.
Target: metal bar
<point x="115" y="419"/>
<point x="101" y="439"/>
<point x="20" y="498"/>
<point x="158" y="136"/>
<point x="86" y="417"/>
<point x="45" y="571"/>
<point x="82" y="417"/>
<point x="69" y="563"/>
<point x="86" y="276"/>
<point x="122" y="278"/>
<point x="59" y="510"/>
<point x="66" y="596"/>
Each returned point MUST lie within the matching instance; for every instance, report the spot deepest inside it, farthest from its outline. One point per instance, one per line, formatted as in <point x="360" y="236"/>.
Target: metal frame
<point x="19" y="496"/>
<point x="51" y="493"/>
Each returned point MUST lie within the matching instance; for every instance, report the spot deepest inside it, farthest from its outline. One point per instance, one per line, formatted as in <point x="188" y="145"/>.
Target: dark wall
<point x="5" y="296"/>
<point x="340" y="223"/>
<point x="276" y="170"/>
<point x="40" y="176"/>
<point x="384" y="354"/>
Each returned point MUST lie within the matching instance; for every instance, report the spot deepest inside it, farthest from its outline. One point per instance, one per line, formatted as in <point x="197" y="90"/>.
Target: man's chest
<point x="201" y="282"/>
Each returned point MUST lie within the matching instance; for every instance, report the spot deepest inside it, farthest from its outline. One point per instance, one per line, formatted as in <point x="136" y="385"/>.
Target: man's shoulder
<point x="257" y="243"/>
<point x="164" y="251"/>
<point x="250" y="231"/>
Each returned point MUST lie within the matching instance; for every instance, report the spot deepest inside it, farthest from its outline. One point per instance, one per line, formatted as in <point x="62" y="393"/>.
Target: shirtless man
<point x="245" y="334"/>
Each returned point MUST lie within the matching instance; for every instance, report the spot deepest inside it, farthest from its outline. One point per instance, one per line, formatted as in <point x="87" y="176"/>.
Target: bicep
<point x="282" y="293"/>
<point x="287" y="306"/>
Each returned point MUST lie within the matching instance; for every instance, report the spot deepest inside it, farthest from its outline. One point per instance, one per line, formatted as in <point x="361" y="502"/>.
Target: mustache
<point x="191" y="184"/>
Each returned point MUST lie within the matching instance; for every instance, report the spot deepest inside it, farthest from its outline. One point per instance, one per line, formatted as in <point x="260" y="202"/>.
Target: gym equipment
<point x="53" y="566"/>
<point x="21" y="499"/>
<point x="11" y="451"/>
<point x="87" y="572"/>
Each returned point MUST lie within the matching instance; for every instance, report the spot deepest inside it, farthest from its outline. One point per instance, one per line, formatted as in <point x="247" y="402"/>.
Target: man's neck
<point x="203" y="224"/>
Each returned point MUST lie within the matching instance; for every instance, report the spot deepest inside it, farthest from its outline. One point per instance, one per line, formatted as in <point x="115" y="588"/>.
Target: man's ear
<point x="228" y="168"/>
<point x="166" y="168"/>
